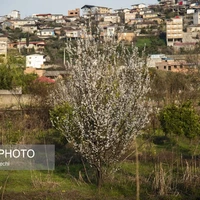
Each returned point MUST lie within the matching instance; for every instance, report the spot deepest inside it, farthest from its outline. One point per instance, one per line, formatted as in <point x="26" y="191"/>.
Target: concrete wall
<point x="10" y="101"/>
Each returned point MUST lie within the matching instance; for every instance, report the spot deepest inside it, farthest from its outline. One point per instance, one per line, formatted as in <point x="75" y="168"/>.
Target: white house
<point x="56" y="16"/>
<point x="15" y="14"/>
<point x="35" y="61"/>
<point x="46" y="33"/>
<point x="139" y="6"/>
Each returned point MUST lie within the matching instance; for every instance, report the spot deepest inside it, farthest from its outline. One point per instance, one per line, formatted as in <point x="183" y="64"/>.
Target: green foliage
<point x="180" y="120"/>
<point x="27" y="82"/>
<point x="153" y="45"/>
<point x="63" y="114"/>
<point x="11" y="77"/>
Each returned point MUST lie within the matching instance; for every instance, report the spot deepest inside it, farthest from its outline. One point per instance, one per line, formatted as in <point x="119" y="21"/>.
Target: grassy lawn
<point x="161" y="158"/>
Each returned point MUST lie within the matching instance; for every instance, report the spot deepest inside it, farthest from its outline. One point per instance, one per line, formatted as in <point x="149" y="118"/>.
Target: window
<point x="169" y="68"/>
<point x="175" y="66"/>
<point x="181" y="66"/>
<point x="164" y="67"/>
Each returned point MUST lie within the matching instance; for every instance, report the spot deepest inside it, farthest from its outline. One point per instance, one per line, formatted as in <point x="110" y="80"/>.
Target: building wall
<point x="129" y="16"/>
<point x="112" y="18"/>
<point x="35" y="61"/>
<point x="126" y="37"/>
<point x="39" y="72"/>
<point x="15" y="14"/>
<point x="29" y="29"/>
<point x="103" y="10"/>
<point x="171" y="66"/>
<point x="174" y="30"/>
<point x="54" y="17"/>
<point x="9" y="100"/>
<point x="74" y="13"/>
<point x="196" y="17"/>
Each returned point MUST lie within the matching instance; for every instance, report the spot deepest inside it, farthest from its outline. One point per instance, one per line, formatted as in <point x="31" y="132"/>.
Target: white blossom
<point x="106" y="89"/>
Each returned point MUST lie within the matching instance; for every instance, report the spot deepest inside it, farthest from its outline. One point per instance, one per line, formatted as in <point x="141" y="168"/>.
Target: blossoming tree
<point x="102" y="105"/>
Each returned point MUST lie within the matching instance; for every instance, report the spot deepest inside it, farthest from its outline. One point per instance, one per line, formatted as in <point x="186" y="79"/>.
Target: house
<point x="56" y="16"/>
<point x="174" y="30"/>
<point x="89" y="10"/>
<point x="167" y="2"/>
<point x="38" y="46"/>
<point x="148" y="15"/>
<point x="73" y="33"/>
<point x="60" y="21"/>
<point x="114" y="18"/>
<point x="139" y="6"/>
<point x="46" y="33"/>
<point x="103" y="25"/>
<point x="127" y="36"/>
<point x="15" y="14"/>
<point x="146" y="25"/>
<point x="122" y="10"/>
<point x="18" y="23"/>
<point x="29" y="28"/>
<point x="170" y="65"/>
<point x="42" y="16"/>
<point x="190" y="11"/>
<point x="108" y="32"/>
<point x="135" y="21"/>
<point x="130" y="16"/>
<point x="35" y="61"/>
<point x="158" y="20"/>
<point x="155" y="58"/>
<point x="74" y="13"/>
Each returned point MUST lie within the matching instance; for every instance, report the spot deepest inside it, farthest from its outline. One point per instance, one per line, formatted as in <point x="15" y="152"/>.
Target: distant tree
<point x="27" y="39"/>
<point x="180" y="120"/>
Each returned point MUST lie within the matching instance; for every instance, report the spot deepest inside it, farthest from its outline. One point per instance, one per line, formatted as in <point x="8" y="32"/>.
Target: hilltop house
<point x="89" y="10"/>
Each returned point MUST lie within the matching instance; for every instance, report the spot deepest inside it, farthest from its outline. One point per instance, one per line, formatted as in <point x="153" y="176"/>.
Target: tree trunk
<point x="99" y="178"/>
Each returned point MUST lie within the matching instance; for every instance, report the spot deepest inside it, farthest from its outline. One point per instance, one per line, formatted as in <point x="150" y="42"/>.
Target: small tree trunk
<point x="99" y="178"/>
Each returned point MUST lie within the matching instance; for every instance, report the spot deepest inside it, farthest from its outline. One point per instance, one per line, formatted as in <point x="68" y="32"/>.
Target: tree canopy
<point x="103" y="101"/>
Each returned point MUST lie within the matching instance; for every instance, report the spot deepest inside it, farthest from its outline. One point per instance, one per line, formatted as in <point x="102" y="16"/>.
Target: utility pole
<point x="64" y="57"/>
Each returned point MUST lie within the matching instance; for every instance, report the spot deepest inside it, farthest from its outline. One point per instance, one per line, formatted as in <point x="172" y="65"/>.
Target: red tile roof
<point x="44" y="79"/>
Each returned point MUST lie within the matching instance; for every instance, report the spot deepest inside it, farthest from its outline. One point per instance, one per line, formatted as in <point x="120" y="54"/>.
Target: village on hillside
<point x="106" y="101"/>
<point x="167" y="28"/>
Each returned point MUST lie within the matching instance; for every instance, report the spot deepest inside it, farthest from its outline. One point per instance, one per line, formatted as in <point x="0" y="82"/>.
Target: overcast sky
<point x="29" y="7"/>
